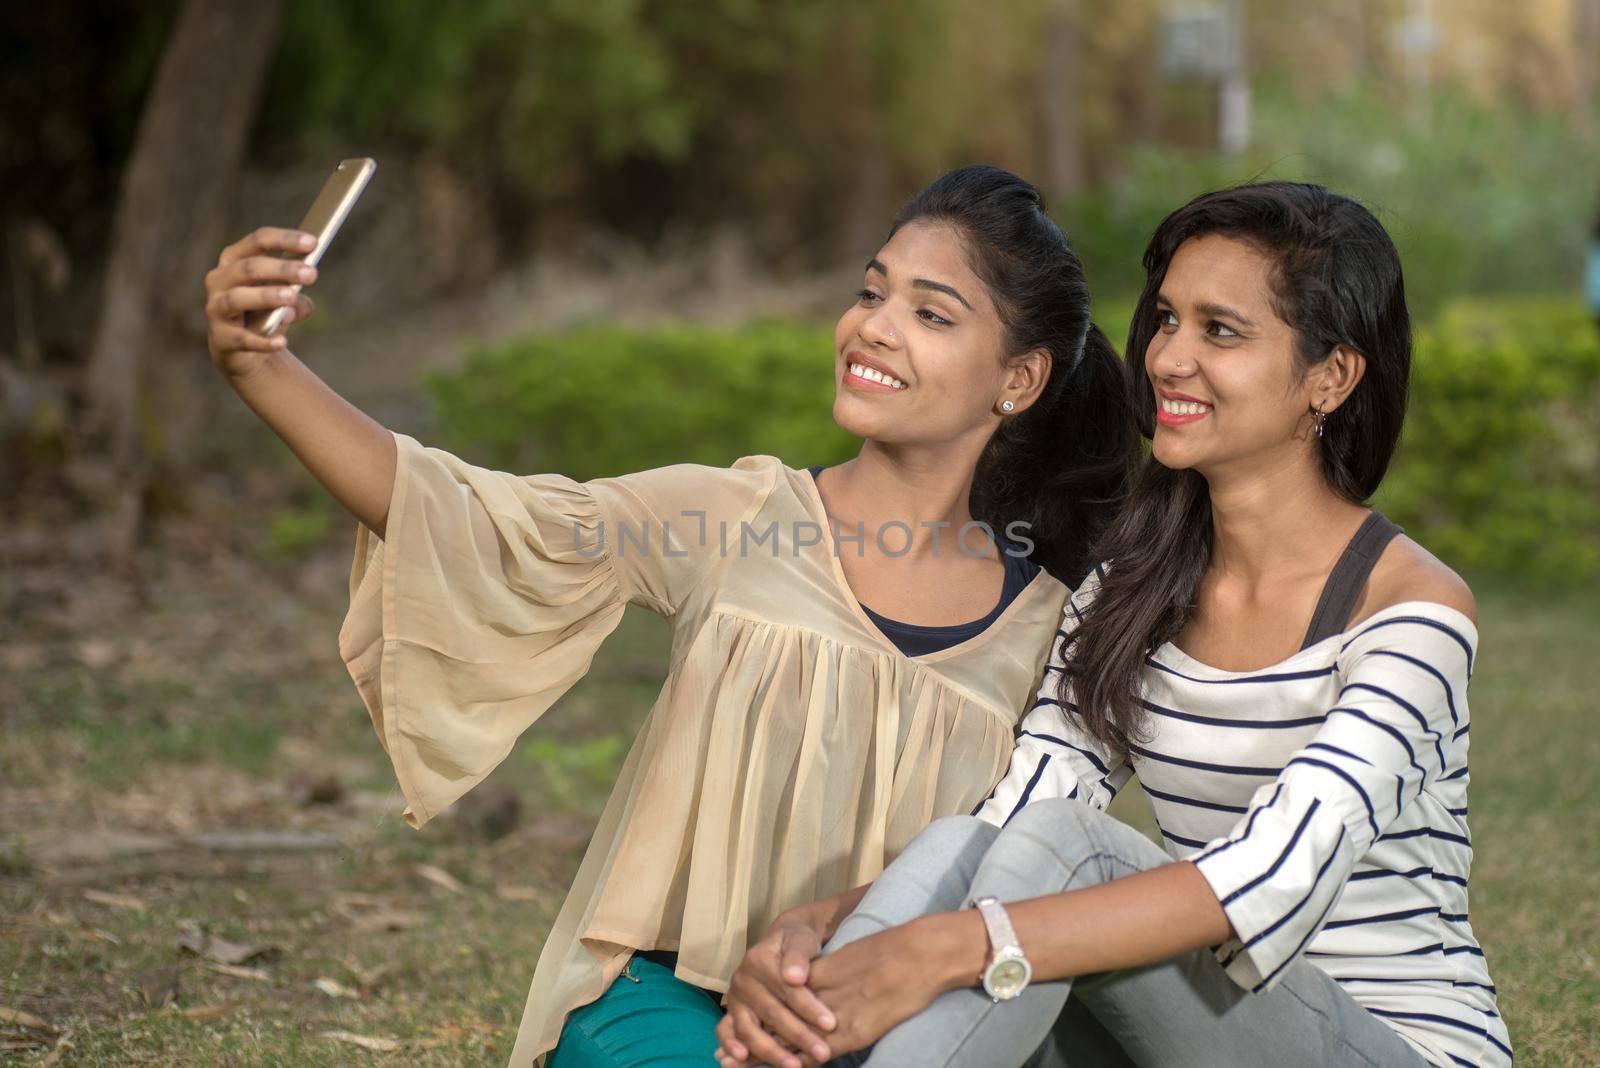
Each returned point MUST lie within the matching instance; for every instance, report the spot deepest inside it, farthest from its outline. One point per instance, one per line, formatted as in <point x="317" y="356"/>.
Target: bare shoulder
<point x="1408" y="572"/>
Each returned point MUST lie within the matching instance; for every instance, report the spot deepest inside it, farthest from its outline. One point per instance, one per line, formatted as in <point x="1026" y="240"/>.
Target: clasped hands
<point x="790" y="1007"/>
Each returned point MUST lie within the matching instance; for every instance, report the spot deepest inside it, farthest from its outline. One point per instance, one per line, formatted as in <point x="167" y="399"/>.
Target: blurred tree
<point x="1586" y="59"/>
<point x="1064" y="172"/>
<point x="167" y="228"/>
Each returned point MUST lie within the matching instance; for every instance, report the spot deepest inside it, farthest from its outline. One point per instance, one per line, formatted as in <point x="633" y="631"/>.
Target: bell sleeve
<point x="489" y="594"/>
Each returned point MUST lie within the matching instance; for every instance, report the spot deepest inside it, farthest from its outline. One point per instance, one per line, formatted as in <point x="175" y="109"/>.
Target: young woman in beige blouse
<point x="802" y="738"/>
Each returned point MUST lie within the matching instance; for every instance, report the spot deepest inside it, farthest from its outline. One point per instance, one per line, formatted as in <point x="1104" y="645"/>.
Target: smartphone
<point x="327" y="214"/>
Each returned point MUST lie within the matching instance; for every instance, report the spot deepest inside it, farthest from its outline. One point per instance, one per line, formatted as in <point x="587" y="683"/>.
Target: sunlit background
<point x="612" y="234"/>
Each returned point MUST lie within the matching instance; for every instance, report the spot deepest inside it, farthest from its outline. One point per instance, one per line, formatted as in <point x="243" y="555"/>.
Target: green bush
<point x="1499" y="467"/>
<point x="603" y="401"/>
<point x="1498" y="470"/>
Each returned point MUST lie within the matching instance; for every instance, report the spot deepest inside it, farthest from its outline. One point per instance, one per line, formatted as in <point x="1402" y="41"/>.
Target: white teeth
<point x="1172" y="407"/>
<point x="874" y="375"/>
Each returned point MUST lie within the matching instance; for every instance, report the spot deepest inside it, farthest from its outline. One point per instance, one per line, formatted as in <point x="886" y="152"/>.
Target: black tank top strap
<point x="1347" y="580"/>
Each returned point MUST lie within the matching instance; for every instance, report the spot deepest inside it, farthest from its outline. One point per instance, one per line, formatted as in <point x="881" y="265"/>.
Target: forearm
<point x="1139" y="919"/>
<point x="349" y="452"/>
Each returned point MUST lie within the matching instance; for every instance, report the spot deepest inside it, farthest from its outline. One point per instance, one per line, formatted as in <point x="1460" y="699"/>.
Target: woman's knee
<point x="959" y="831"/>
<point x="951" y="841"/>
<point x="1055" y="843"/>
<point x="932" y="874"/>
<point x="1066" y="828"/>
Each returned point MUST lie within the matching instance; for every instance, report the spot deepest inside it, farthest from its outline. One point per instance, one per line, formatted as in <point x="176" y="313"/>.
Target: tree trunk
<point x="1586" y="59"/>
<point x="1064" y="172"/>
<point x="167" y="231"/>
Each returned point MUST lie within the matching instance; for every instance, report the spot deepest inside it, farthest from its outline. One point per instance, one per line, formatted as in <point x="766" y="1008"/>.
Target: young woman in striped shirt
<point x="1309" y="778"/>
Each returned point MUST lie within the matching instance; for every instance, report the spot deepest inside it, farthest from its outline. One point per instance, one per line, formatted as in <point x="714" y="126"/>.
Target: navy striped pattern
<point x="1323" y="798"/>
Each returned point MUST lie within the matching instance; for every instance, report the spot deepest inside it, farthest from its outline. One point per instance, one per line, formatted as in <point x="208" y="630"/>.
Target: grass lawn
<point x="120" y="751"/>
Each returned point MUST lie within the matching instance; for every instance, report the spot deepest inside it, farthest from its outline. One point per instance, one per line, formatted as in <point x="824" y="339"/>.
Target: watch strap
<point x="1001" y="934"/>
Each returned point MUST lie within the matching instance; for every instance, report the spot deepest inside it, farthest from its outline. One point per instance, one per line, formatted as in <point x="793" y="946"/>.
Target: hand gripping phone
<point x="327" y="214"/>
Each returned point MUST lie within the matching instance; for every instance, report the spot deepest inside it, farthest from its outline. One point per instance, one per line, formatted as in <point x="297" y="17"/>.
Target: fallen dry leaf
<point x="25" y="1019"/>
<point x="63" y="1044"/>
<point x="440" y="878"/>
<point x="202" y="1013"/>
<point x="335" y="989"/>
<point x="381" y="1045"/>
<point x="238" y="971"/>
<point x="369" y="976"/>
<point x="517" y="893"/>
<point x="95" y="652"/>
<point x="356" y="899"/>
<point x="221" y="950"/>
<point x="116" y="901"/>
<point x="61" y="919"/>
<point x="384" y="919"/>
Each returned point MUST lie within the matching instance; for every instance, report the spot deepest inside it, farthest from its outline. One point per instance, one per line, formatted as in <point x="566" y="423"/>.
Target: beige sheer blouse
<point x="793" y="750"/>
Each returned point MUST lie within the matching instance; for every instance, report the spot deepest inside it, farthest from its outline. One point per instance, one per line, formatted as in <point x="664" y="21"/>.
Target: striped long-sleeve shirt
<point x="1323" y="798"/>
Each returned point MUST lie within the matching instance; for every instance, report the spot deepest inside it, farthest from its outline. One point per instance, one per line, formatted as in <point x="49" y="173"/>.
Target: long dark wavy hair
<point x="1336" y="281"/>
<point x="1063" y="465"/>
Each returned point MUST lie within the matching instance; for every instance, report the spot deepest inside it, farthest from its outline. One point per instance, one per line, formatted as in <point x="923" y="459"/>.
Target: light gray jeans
<point x="1181" y="1013"/>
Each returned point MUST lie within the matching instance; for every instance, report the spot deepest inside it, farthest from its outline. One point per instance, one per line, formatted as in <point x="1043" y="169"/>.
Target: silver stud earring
<point x="1006" y="406"/>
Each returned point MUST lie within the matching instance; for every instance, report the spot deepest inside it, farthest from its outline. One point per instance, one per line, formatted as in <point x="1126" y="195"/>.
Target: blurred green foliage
<point x="1498" y="470"/>
<point x="1490" y="200"/>
<point x="293" y="529"/>
<point x="14" y="860"/>
<point x="636" y="112"/>
<point x="1499" y="467"/>
<point x="575" y="774"/>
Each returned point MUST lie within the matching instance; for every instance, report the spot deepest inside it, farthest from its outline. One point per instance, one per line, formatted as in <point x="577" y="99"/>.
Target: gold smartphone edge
<point x="355" y="182"/>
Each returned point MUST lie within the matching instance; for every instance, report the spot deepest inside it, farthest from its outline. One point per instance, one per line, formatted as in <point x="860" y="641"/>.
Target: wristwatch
<point x="1008" y="970"/>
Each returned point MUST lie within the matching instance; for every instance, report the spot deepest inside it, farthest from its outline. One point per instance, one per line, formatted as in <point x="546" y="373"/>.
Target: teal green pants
<point x="648" y="1018"/>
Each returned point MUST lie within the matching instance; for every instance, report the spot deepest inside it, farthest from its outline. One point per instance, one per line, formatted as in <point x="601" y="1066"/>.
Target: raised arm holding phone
<point x="251" y="295"/>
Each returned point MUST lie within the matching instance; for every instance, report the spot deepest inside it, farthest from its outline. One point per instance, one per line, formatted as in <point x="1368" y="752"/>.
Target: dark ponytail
<point x="1062" y="465"/>
<point x="1336" y="281"/>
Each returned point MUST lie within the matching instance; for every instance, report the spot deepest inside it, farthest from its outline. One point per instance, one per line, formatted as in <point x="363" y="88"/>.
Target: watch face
<point x="1006" y="978"/>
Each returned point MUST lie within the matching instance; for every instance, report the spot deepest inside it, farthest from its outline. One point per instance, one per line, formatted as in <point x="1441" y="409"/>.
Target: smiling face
<point x="919" y="358"/>
<point x="1230" y="388"/>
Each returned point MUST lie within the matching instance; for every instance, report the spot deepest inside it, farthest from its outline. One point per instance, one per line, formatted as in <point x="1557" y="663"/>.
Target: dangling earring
<point x="1006" y="406"/>
<point x="1320" y="416"/>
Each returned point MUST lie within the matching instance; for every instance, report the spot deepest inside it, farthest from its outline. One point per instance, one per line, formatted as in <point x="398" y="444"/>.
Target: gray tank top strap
<point x="1348" y="579"/>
